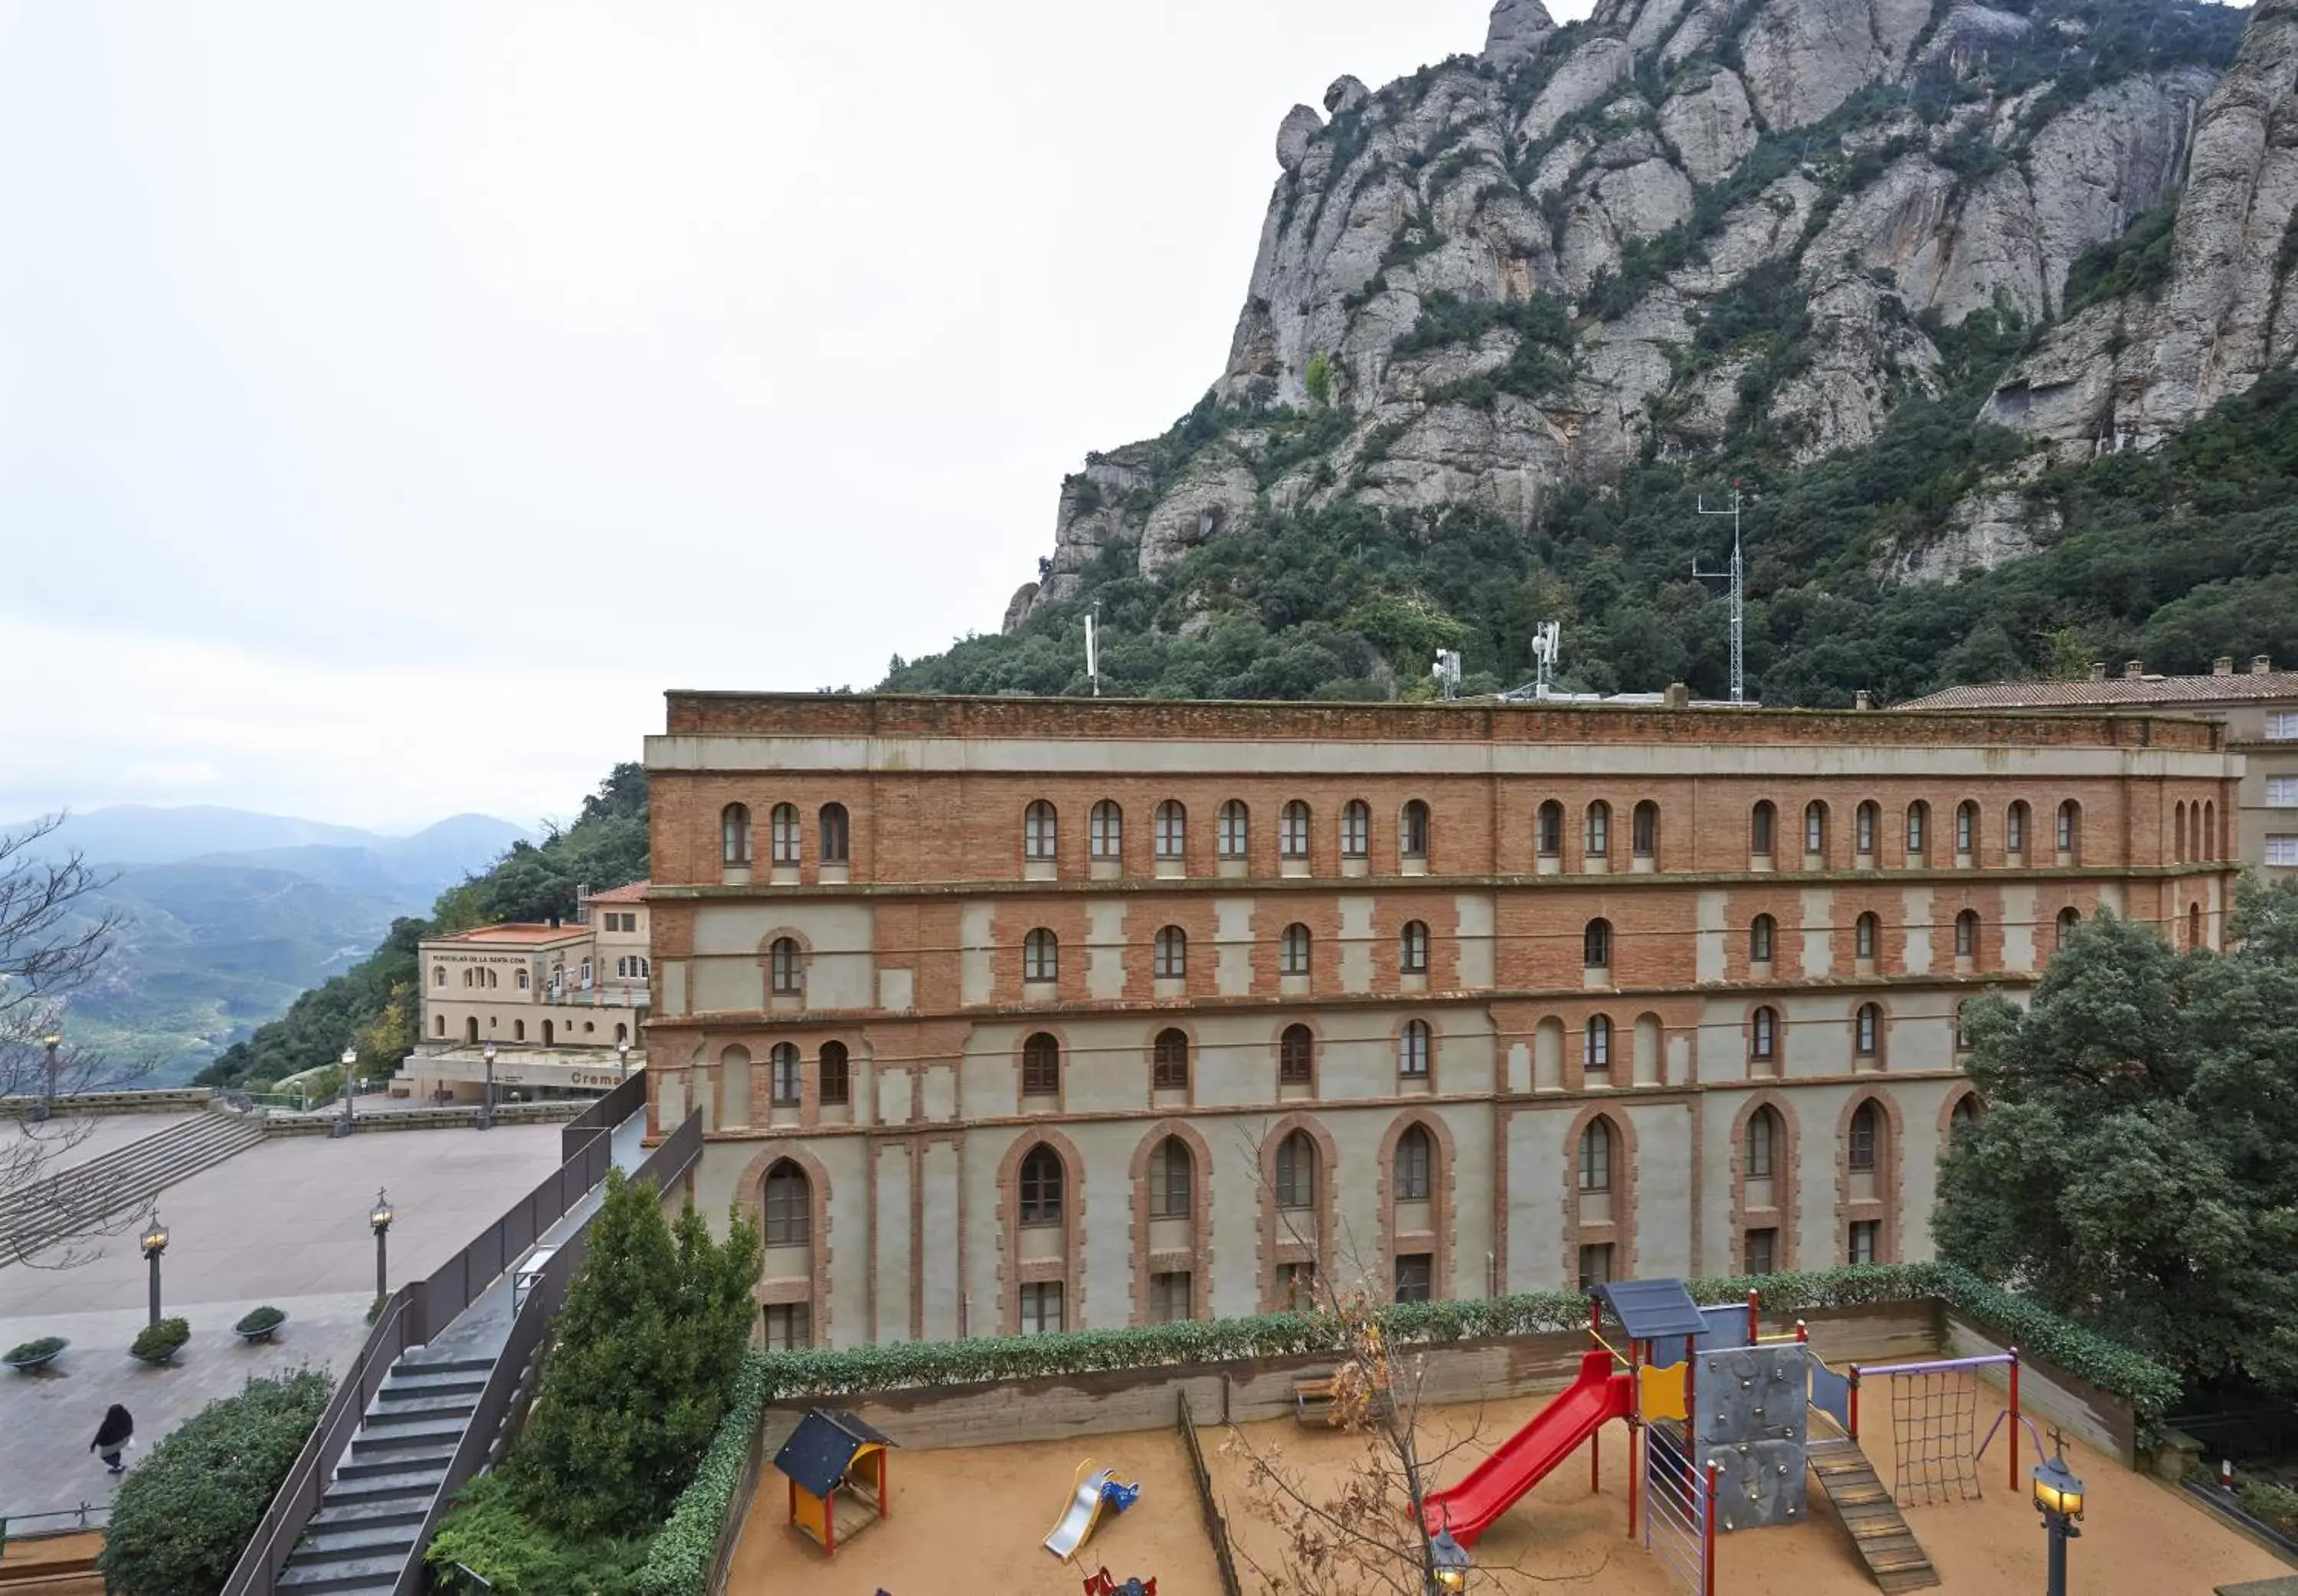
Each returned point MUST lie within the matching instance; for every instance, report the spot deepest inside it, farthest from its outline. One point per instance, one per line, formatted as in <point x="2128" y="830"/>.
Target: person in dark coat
<point x="111" y="1436"/>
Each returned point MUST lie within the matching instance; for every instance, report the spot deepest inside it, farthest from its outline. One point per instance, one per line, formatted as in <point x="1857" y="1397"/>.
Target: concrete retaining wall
<point x="2049" y="1395"/>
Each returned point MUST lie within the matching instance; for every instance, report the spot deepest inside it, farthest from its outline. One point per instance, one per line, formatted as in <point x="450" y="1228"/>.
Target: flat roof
<point x="515" y="934"/>
<point x="2112" y="692"/>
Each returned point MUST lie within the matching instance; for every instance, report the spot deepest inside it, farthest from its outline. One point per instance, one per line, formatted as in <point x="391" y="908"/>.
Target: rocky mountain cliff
<point x="1879" y="163"/>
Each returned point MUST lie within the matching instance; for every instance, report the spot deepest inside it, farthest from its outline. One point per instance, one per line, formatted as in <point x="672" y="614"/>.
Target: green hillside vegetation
<point x="376" y="1005"/>
<point x="2176" y="557"/>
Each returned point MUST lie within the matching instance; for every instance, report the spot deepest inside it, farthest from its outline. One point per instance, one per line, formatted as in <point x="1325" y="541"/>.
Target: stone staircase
<point x="364" y="1533"/>
<point x="119" y="1183"/>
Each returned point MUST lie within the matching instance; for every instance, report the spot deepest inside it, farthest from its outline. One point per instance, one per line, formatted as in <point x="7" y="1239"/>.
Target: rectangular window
<point x="1168" y="1297"/>
<point x="1763" y="1251"/>
<point x="1415" y="1276"/>
<point x="1105" y="832"/>
<point x="2282" y="791"/>
<point x="1865" y="1235"/>
<point x="789" y="1327"/>
<point x="1296" y="1287"/>
<point x="1170" y="1170"/>
<point x="2282" y="727"/>
<point x="789" y="1085"/>
<point x="2282" y="850"/>
<point x="1595" y="1266"/>
<point x="1041" y="1307"/>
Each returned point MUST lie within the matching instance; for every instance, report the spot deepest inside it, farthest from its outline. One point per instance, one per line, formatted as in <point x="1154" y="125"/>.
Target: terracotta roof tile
<point x="635" y="893"/>
<point x="2112" y="691"/>
<point x="517" y="933"/>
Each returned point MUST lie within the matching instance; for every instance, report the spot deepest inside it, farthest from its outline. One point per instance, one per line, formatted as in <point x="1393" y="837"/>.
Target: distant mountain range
<point x="231" y="913"/>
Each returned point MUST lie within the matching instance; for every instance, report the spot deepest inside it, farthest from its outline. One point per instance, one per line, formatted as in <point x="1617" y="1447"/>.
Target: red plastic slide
<point x="1530" y="1455"/>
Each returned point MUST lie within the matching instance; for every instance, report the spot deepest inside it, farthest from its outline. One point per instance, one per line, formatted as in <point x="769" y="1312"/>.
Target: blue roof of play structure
<point x="821" y="1449"/>
<point x="1649" y="1310"/>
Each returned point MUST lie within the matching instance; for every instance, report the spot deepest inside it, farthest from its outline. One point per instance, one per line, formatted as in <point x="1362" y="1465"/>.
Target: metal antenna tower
<point x="1092" y="647"/>
<point x="1739" y="596"/>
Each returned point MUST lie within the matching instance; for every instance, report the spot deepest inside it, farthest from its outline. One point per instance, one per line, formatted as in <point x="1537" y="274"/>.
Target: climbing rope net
<point x="1934" y="1435"/>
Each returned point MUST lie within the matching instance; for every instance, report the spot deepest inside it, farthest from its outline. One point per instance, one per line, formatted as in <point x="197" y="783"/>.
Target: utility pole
<point x="1739" y="596"/>
<point x="1092" y="647"/>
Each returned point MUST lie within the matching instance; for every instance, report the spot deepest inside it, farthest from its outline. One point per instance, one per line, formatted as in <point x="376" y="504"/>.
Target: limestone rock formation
<point x="1524" y="270"/>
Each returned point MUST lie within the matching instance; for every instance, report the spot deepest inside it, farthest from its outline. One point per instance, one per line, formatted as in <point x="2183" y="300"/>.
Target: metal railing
<point x="1215" y="1526"/>
<point x="604" y="1115"/>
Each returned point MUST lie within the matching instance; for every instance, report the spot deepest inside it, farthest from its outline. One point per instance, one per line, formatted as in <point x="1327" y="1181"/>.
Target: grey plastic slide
<point x="1084" y="1510"/>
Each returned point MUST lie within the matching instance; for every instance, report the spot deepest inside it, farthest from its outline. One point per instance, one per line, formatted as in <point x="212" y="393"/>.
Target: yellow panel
<point x="809" y="1516"/>
<point x="1661" y="1394"/>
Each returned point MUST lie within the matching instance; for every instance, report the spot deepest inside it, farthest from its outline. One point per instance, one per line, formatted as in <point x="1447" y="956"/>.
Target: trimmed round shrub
<point x="156" y="1344"/>
<point x="180" y="1519"/>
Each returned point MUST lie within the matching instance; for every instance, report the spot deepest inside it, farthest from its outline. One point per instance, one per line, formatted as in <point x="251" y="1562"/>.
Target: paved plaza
<point x="284" y="1222"/>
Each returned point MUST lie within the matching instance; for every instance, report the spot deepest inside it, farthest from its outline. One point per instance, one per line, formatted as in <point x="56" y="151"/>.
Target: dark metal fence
<point x="1215" y="1526"/>
<point x="738" y="1511"/>
<point x="602" y="1116"/>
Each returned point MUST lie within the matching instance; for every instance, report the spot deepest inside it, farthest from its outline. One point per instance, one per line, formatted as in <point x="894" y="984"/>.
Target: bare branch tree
<point x="1364" y="1534"/>
<point x="54" y="940"/>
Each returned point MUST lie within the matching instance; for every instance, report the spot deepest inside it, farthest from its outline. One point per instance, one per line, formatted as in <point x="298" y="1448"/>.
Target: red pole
<point x="1708" y="1539"/>
<point x="1595" y="1462"/>
<point x="1855" y="1401"/>
<point x="1755" y="1315"/>
<point x="2014" y="1421"/>
<point x="1595" y="1320"/>
<point x="1803" y="1333"/>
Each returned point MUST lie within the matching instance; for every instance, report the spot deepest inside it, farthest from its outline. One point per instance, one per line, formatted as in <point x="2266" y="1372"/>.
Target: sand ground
<point x="970" y="1519"/>
<point x="2139" y="1539"/>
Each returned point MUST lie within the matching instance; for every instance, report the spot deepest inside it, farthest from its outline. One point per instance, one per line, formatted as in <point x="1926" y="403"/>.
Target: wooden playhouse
<point x="832" y="1456"/>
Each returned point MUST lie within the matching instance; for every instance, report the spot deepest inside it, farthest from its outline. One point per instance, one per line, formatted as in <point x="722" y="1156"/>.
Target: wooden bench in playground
<point x="1314" y="1403"/>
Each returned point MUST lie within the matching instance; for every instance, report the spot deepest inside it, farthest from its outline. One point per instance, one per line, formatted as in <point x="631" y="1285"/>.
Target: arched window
<point x="2069" y="918"/>
<point x="438" y="1025"/>
<point x="2179" y="834"/>
<point x="837" y="1082"/>
<point x="1764" y="1036"/>
<point x="1763" y="821"/>
<point x="1919" y="825"/>
<point x="1547" y="831"/>
<point x="783" y="824"/>
<point x="1763" y="931"/>
<point x="467" y="978"/>
<point x="788" y="967"/>
<point x="1412" y="1050"/>
<point x="1041" y="956"/>
<point x="1296" y="1056"/>
<point x="1414" y="1157"/>
<point x="1966" y="934"/>
<point x="438" y="975"/>
<point x="1966" y="827"/>
<point x="1598" y="835"/>
<point x="1041" y="1066"/>
<point x="734" y="835"/>
<point x="1356" y="830"/>
<point x="525" y="981"/>
<point x="1233" y="832"/>
<point x="2209" y="846"/>
<point x="1172" y="1179"/>
<point x="1041" y="831"/>
<point x="2069" y="827"/>
<point x="2014" y="827"/>
<point x="1763" y="1143"/>
<point x="1865" y="822"/>
<point x="1867" y="931"/>
<point x="832" y="828"/>
<point x="1105" y="832"/>
<point x="1168" y="1061"/>
<point x="787" y="1086"/>
<point x="1815" y="827"/>
<point x="1596" y="1043"/>
<point x="1412" y="840"/>
<point x="1596" y="1156"/>
<point x="1643" y="830"/>
<point x="1292" y="950"/>
<point x="1965" y="1112"/>
<point x="2193" y="925"/>
<point x="1867" y="1031"/>
<point x="1041" y="1186"/>
<point x="1296" y="1172"/>
<point x="1412" y="949"/>
<point x="1962" y="1026"/>
<point x="1596" y="945"/>
<point x="1172" y="831"/>
<point x="518" y="1031"/>
<point x="1866" y="1135"/>
<point x="790" y="1206"/>
<point x="1292" y="831"/>
<point x="1173" y="954"/>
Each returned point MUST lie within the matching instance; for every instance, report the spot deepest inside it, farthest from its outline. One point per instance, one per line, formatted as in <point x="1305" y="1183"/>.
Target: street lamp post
<point x="350" y="1061"/>
<point x="154" y="1242"/>
<point x="2059" y="1495"/>
<point x="624" y="1050"/>
<point x="47" y="1103"/>
<point x="1450" y="1560"/>
<point x="487" y="1104"/>
<point x="379" y="1217"/>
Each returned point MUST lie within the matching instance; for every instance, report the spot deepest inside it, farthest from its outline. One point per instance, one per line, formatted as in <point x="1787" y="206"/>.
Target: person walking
<point x="111" y="1436"/>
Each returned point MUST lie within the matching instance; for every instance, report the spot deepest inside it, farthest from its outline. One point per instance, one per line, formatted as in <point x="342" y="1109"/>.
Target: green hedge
<point x="678" y="1561"/>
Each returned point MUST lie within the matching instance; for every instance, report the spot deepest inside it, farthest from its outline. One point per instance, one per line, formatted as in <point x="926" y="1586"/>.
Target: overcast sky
<point x="395" y="398"/>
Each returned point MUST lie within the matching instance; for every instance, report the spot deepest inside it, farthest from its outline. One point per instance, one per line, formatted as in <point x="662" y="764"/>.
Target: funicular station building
<point x="1011" y="1015"/>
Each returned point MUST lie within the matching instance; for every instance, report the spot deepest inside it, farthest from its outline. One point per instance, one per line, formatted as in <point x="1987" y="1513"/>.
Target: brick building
<point x="1009" y="1014"/>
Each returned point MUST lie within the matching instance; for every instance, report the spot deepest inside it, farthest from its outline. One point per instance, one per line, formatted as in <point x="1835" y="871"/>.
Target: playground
<point x="971" y="1518"/>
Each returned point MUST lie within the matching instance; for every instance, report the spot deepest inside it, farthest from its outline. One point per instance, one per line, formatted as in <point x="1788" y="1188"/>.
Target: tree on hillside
<point x="51" y="947"/>
<point x="655" y="1323"/>
<point x="2132" y="1168"/>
